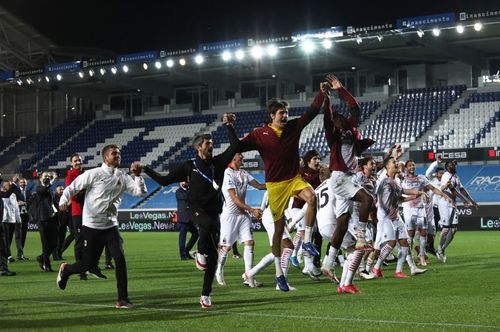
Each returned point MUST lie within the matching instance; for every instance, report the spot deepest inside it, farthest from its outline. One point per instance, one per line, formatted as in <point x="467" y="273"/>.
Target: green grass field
<point x="463" y="294"/>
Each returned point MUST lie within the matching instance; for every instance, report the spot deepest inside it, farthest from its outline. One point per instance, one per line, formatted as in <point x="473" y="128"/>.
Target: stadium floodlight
<point x="420" y="33"/>
<point x="436" y="32"/>
<point x="226" y="56"/>
<point x="380" y="37"/>
<point x="256" y="52"/>
<point x="240" y="55"/>
<point x="478" y="26"/>
<point x="308" y="46"/>
<point x="81" y="74"/>
<point x="145" y="66"/>
<point x="272" y="50"/>
<point x="29" y="81"/>
<point x="460" y="28"/>
<point x="91" y="73"/>
<point x="199" y="59"/>
<point x="158" y="65"/>
<point x="170" y="63"/>
<point x="39" y="79"/>
<point x="102" y="71"/>
<point x="114" y="70"/>
<point x="182" y="61"/>
<point x="125" y="68"/>
<point x="359" y="40"/>
<point x="19" y="82"/>
<point x="47" y="79"/>
<point x="327" y="44"/>
<point x="59" y="77"/>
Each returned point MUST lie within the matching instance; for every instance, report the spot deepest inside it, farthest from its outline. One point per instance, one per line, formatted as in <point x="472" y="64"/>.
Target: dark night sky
<point x="130" y="26"/>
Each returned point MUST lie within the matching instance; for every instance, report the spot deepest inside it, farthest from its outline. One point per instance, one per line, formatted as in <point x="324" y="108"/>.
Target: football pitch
<point x="462" y="294"/>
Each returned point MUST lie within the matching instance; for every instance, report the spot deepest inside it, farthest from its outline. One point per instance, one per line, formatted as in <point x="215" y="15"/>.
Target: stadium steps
<point x="453" y="107"/>
<point x="149" y="197"/>
<point x="208" y="129"/>
<point x="63" y="144"/>
<point x="383" y="106"/>
<point x="10" y="146"/>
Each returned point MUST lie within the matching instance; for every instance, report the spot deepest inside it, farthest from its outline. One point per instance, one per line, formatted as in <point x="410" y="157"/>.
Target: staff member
<point x="205" y="174"/>
<point x="184" y="223"/>
<point x="104" y="187"/>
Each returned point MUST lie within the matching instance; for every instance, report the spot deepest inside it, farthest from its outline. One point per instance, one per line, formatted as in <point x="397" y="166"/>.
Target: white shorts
<point x="345" y="189"/>
<point x="268" y="222"/>
<point x="235" y="228"/>
<point x="414" y="218"/>
<point x="327" y="232"/>
<point x="298" y="214"/>
<point x="447" y="214"/>
<point x="389" y="230"/>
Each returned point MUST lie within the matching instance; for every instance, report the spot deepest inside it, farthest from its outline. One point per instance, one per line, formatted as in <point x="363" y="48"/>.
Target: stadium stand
<point x="475" y="124"/>
<point x="410" y="115"/>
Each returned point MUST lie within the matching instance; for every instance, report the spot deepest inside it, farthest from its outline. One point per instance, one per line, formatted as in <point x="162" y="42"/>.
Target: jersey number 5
<point x="322" y="198"/>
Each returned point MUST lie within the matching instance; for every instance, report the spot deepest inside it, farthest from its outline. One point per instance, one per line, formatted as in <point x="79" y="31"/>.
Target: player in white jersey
<point x="414" y="209"/>
<point x="434" y="173"/>
<point x="390" y="227"/>
<point x="268" y="223"/>
<point x="236" y="223"/>
<point x="365" y="177"/>
<point x="451" y="186"/>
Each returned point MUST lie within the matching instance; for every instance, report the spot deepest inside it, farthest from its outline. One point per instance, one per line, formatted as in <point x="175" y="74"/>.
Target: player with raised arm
<point x="278" y="145"/>
<point x="414" y="209"/>
<point x="452" y="187"/>
<point x="434" y="173"/>
<point x="345" y="144"/>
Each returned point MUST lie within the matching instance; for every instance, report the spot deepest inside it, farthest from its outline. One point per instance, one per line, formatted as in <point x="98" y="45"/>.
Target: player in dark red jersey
<point x="278" y="145"/>
<point x="345" y="144"/>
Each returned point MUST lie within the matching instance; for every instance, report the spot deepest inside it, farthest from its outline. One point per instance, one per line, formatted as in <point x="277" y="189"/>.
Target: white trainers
<point x="330" y="274"/>
<point x="250" y="281"/>
<point x="416" y="271"/>
<point x="289" y="287"/>
<point x="201" y="261"/>
<point x="441" y="256"/>
<point x="365" y="275"/>
<point x="219" y="275"/>
<point x="423" y="262"/>
<point x="205" y="301"/>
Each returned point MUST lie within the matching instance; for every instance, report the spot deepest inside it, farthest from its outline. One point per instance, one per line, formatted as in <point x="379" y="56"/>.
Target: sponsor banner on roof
<point x="95" y="63"/>
<point x="466" y="16"/>
<point x="30" y="72"/>
<point x="368" y="28"/>
<point x="436" y="20"/>
<point x="58" y="67"/>
<point x="264" y="41"/>
<point x="165" y="53"/>
<point x="331" y="32"/>
<point x="137" y="57"/>
<point x="221" y="46"/>
<point x="6" y="75"/>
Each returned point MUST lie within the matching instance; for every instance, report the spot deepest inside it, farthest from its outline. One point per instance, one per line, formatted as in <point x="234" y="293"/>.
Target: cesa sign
<point x="477" y="154"/>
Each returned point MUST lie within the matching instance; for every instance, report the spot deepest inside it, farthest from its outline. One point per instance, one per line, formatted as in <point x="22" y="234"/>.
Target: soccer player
<point x="345" y="144"/>
<point x="236" y="223"/>
<point x="205" y="173"/>
<point x="269" y="224"/>
<point x="278" y="145"/>
<point x="310" y="173"/>
<point x="414" y="209"/>
<point x="104" y="187"/>
<point x="452" y="187"/>
<point x="434" y="173"/>
<point x="390" y="227"/>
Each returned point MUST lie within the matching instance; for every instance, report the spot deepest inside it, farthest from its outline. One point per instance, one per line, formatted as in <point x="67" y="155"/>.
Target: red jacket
<point x="71" y="175"/>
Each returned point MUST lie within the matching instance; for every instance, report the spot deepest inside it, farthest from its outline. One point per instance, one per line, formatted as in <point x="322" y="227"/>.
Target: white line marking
<point x="250" y="314"/>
